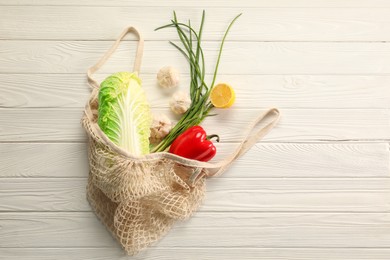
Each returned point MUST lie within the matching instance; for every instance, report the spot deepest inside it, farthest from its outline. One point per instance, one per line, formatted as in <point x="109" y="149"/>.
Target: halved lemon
<point x="222" y="96"/>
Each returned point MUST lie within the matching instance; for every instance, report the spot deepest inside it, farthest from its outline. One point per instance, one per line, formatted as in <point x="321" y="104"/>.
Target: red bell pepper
<point x="194" y="144"/>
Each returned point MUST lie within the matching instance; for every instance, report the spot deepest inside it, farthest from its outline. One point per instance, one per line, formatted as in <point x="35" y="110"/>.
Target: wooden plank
<point x="259" y="58"/>
<point x="203" y="3"/>
<point x="43" y="160"/>
<point x="225" y="229"/>
<point x="286" y="160"/>
<point x="296" y="125"/>
<point x="256" y="24"/>
<point x="223" y="194"/>
<point x="252" y="91"/>
<point x="312" y="160"/>
<point x="160" y="253"/>
<point x="294" y="195"/>
<point x="298" y="160"/>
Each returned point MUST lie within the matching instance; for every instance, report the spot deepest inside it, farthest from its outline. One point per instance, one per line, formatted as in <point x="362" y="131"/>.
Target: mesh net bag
<point x="139" y="198"/>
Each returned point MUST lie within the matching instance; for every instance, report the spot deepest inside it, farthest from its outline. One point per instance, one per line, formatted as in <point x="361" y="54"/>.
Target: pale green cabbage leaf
<point x="124" y="112"/>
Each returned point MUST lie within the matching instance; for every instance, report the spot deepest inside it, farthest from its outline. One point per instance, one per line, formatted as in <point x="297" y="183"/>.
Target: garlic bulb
<point x="160" y="128"/>
<point x="168" y="77"/>
<point x="180" y="102"/>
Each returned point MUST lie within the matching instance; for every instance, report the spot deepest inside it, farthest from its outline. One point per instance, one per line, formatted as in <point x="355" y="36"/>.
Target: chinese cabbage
<point x="124" y="113"/>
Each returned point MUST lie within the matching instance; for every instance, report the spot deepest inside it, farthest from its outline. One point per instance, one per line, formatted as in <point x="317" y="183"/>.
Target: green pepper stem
<point x="209" y="137"/>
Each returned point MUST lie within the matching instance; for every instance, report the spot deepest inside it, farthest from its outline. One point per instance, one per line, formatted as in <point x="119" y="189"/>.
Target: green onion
<point x="199" y="90"/>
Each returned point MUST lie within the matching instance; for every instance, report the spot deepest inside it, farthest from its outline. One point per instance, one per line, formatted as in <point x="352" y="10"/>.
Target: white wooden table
<point x="317" y="187"/>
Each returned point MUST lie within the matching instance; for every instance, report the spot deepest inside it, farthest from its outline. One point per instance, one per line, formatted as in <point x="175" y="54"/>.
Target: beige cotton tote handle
<point x="250" y="139"/>
<point x="138" y="56"/>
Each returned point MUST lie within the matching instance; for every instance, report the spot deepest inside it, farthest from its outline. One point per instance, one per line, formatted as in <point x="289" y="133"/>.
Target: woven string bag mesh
<point x="139" y="198"/>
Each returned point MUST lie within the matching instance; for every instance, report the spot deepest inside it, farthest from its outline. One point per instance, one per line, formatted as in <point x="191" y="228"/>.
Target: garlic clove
<point x="168" y="77"/>
<point x="161" y="126"/>
<point x="180" y="102"/>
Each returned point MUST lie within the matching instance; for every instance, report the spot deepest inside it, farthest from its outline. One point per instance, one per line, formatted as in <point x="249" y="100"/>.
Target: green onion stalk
<point x="199" y="90"/>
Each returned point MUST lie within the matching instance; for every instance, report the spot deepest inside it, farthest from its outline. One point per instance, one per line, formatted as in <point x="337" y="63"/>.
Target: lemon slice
<point x="222" y="96"/>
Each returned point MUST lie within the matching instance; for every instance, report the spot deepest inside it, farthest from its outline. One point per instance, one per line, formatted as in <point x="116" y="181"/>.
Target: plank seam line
<point x="187" y="74"/>
<point x="210" y="6"/>
<point x="319" y="178"/>
<point x="385" y="74"/>
<point x="289" y="142"/>
<point x="210" y="41"/>
<point x="201" y="212"/>
<point x="221" y="177"/>
<point x="203" y="247"/>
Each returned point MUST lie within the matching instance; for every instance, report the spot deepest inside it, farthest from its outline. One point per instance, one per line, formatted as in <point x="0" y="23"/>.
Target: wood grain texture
<point x="303" y="58"/>
<point x="224" y="229"/>
<point x="296" y="125"/>
<point x="256" y="24"/>
<point x="203" y="3"/>
<point x="285" y="160"/>
<point x="224" y="194"/>
<point x="209" y="253"/>
<point x="252" y="91"/>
